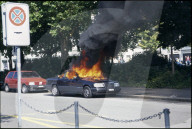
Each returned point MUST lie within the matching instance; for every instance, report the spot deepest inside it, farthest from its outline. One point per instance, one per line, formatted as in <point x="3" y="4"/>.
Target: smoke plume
<point x="113" y="18"/>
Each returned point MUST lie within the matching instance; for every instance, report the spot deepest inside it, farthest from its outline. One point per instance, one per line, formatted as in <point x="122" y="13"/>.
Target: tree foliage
<point x="148" y="39"/>
<point x="175" y="24"/>
<point x="54" y="26"/>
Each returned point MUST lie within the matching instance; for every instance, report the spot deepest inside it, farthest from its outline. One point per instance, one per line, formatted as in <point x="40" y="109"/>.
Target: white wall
<point x="181" y="51"/>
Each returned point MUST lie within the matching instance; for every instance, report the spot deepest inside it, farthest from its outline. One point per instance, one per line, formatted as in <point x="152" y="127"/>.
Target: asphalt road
<point x="113" y="107"/>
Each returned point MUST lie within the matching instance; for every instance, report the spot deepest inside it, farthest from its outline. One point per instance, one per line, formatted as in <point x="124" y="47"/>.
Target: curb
<point x="181" y="99"/>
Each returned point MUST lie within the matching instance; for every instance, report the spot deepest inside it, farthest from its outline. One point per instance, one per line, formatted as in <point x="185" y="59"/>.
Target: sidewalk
<point x="157" y="93"/>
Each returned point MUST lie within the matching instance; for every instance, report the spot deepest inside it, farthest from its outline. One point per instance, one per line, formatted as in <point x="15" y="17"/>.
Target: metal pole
<point x="76" y="114"/>
<point x="19" y="85"/>
<point x="166" y="115"/>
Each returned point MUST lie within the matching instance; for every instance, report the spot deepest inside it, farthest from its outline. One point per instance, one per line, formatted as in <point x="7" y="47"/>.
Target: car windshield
<point x="29" y="75"/>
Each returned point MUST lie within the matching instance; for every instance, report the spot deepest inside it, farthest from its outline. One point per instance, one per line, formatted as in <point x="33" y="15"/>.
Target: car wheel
<point x="24" y="89"/>
<point x="55" y="91"/>
<point x="7" y="89"/>
<point x="87" y="92"/>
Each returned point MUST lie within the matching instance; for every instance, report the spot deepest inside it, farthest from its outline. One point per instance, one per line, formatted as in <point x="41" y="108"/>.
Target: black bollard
<point x="76" y="114"/>
<point x="166" y="115"/>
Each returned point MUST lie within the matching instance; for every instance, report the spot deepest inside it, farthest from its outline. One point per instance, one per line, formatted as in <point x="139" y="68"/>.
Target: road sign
<point x="15" y="20"/>
<point x="15" y="24"/>
<point x="17" y="16"/>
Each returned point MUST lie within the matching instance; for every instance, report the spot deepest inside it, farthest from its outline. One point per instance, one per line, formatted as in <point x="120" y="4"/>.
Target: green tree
<point x="148" y="39"/>
<point x="64" y="21"/>
<point x="175" y="26"/>
<point x="58" y="25"/>
<point x="129" y="39"/>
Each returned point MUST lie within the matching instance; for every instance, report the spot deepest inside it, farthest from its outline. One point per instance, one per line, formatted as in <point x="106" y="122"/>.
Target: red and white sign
<point x="17" y="16"/>
<point x="15" y="20"/>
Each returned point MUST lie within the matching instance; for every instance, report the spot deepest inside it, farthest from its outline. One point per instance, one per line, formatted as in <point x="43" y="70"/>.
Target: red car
<point x="30" y="81"/>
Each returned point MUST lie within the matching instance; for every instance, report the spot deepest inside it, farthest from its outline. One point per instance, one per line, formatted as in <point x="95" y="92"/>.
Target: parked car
<point x="86" y="87"/>
<point x="30" y="81"/>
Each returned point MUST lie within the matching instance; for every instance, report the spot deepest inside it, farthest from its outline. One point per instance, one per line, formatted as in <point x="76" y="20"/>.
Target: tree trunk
<point x="10" y="62"/>
<point x="22" y="58"/>
<point x="172" y="60"/>
<point x="64" y="54"/>
<point x="9" y="54"/>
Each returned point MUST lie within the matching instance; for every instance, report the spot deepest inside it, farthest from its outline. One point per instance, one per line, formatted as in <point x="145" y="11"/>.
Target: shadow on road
<point x="15" y="91"/>
<point x="6" y="118"/>
<point x="81" y="96"/>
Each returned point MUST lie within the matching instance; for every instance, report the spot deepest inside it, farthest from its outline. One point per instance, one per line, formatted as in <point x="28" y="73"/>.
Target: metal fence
<point x="76" y="105"/>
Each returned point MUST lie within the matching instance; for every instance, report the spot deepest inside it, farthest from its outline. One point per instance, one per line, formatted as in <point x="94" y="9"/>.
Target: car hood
<point x="100" y="81"/>
<point x="33" y="79"/>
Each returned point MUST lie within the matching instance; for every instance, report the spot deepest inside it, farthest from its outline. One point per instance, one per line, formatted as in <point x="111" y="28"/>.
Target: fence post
<point x="76" y="114"/>
<point x="166" y="115"/>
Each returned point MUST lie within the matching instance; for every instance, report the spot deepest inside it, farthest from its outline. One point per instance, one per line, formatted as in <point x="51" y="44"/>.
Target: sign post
<point x="19" y="84"/>
<point x="16" y="33"/>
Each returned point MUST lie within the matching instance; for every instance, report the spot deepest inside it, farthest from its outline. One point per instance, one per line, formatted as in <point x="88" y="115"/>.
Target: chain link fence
<point x="76" y="105"/>
<point x="121" y="121"/>
<point x="44" y="112"/>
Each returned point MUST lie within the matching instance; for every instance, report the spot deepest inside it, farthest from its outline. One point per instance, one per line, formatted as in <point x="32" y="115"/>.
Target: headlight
<point x="116" y="84"/>
<point x="31" y="83"/>
<point x="99" y="85"/>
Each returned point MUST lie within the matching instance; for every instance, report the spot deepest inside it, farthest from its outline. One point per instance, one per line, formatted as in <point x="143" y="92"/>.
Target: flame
<point x="84" y="72"/>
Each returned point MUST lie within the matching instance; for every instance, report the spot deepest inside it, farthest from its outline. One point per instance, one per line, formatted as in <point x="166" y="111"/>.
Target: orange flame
<point x="84" y="72"/>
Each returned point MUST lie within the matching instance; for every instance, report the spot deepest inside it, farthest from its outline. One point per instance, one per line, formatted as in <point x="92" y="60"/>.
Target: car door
<point x="9" y="79"/>
<point x="14" y="80"/>
<point x="76" y="86"/>
<point x="63" y="85"/>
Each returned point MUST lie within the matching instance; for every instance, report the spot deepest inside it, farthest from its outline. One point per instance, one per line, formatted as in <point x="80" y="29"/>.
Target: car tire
<point x="7" y="89"/>
<point x="24" y="89"/>
<point x="55" y="91"/>
<point x="87" y="92"/>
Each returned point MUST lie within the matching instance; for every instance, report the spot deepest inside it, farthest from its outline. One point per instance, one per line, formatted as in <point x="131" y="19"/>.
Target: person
<point x="185" y="60"/>
<point x="178" y="61"/>
<point x="122" y="60"/>
<point x="188" y="60"/>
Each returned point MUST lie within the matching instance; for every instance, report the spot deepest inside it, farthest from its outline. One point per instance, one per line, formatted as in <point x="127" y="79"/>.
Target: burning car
<point x="85" y="86"/>
<point x="80" y="79"/>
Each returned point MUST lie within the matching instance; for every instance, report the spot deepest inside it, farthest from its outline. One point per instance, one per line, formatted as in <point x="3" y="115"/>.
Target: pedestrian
<point x="188" y="60"/>
<point x="185" y="60"/>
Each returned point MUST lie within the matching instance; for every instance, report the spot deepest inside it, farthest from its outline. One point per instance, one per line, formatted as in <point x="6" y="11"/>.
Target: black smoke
<point x="115" y="17"/>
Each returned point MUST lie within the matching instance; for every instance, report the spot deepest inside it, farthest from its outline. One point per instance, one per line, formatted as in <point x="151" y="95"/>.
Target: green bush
<point x="151" y="71"/>
<point x="167" y="80"/>
<point x="46" y="66"/>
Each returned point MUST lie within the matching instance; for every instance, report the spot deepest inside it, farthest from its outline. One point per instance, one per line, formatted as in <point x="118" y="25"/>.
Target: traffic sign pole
<point x="19" y="85"/>
<point x="16" y="32"/>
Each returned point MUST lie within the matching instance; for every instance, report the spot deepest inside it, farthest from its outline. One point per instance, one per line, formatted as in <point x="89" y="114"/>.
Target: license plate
<point x="111" y="89"/>
<point x="40" y="86"/>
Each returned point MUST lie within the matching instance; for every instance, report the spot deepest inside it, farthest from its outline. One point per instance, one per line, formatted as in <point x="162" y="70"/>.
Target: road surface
<point x="120" y="108"/>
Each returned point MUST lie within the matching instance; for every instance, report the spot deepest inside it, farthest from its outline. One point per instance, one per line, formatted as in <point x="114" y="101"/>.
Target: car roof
<point x="22" y="71"/>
